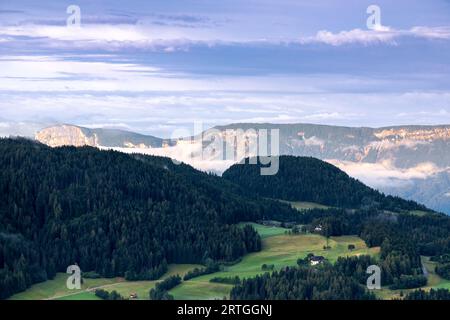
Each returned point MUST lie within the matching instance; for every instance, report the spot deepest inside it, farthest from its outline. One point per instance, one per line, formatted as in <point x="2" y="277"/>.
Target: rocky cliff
<point x="63" y="135"/>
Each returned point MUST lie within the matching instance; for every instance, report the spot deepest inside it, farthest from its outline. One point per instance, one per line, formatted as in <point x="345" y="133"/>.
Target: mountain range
<point x="409" y="161"/>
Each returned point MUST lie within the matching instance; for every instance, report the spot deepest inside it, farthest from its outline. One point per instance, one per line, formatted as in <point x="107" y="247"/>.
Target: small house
<point x="133" y="296"/>
<point x="315" y="260"/>
<point x="318" y="228"/>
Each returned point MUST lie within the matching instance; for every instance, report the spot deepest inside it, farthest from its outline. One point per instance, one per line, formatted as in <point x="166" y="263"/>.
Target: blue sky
<point x="153" y="66"/>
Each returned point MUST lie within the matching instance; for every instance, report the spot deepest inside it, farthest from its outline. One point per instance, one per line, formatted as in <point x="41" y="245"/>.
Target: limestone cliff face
<point x="71" y="135"/>
<point x="404" y="147"/>
<point x="66" y="135"/>
<point x="418" y="134"/>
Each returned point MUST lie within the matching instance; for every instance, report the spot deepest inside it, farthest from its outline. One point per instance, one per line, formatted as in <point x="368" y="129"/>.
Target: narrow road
<point x="81" y="291"/>
<point x="424" y="269"/>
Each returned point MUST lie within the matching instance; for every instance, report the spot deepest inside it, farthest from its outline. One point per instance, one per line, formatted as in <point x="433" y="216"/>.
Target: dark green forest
<point x="160" y="292"/>
<point x="115" y="214"/>
<point x="313" y="180"/>
<point x="433" y="294"/>
<point x="303" y="283"/>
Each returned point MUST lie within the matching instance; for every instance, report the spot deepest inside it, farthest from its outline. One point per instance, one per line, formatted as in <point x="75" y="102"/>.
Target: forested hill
<point x="115" y="214"/>
<point x="313" y="180"/>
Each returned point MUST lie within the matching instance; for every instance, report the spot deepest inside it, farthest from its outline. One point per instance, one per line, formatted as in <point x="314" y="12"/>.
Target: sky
<point x="156" y="66"/>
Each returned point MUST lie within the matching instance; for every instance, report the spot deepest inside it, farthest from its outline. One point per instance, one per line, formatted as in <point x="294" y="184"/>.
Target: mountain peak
<point x="65" y="134"/>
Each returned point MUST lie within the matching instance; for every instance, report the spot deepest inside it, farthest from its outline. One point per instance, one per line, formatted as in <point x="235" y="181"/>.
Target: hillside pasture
<point x="278" y="250"/>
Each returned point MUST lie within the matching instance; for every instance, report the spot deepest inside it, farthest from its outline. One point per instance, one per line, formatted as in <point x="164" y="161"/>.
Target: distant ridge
<point x="64" y="135"/>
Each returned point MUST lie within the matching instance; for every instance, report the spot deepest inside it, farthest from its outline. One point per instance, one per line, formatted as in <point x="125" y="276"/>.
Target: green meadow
<point x="86" y="295"/>
<point x="278" y="249"/>
<point x="307" y="205"/>
<point x="265" y="231"/>
<point x="56" y="289"/>
<point x="434" y="281"/>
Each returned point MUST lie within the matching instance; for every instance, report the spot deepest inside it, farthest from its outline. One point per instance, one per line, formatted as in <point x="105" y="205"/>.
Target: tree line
<point x="301" y="283"/>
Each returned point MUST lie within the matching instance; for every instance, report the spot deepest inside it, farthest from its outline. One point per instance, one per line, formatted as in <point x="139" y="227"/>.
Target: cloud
<point x="431" y="33"/>
<point x="22" y="128"/>
<point x="385" y="174"/>
<point x="91" y="32"/>
<point x="146" y="110"/>
<point x="385" y="35"/>
<point x="174" y="32"/>
<point x="184" y="21"/>
<point x="350" y="37"/>
<point x="377" y="175"/>
<point x="187" y="153"/>
<point x="87" y="19"/>
<point x="111" y="34"/>
<point x="54" y="73"/>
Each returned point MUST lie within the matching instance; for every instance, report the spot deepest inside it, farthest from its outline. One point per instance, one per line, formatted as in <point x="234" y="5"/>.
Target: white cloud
<point x="187" y="153"/>
<point x="146" y="111"/>
<point x="384" y="35"/>
<point x="101" y="32"/>
<point x="64" y="74"/>
<point x="113" y="37"/>
<point x="55" y="66"/>
<point x="384" y="174"/>
<point x="431" y="33"/>
<point x="171" y="38"/>
<point x="353" y="36"/>
<point x="23" y="129"/>
<point x="377" y="175"/>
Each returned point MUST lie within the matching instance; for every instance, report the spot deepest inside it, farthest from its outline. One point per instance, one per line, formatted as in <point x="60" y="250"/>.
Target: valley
<point x="278" y="249"/>
<point x="434" y="282"/>
<point x="56" y="289"/>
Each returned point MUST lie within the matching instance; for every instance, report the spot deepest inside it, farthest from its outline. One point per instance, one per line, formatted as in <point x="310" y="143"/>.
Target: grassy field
<point x="434" y="281"/>
<point x="56" y="288"/>
<point x="265" y="231"/>
<point x="280" y="250"/>
<point x="86" y="295"/>
<point x="419" y="213"/>
<point x="307" y="205"/>
<point x="143" y="287"/>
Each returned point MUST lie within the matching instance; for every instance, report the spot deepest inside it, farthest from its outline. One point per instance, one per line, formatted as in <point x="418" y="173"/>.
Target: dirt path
<point x="81" y="291"/>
